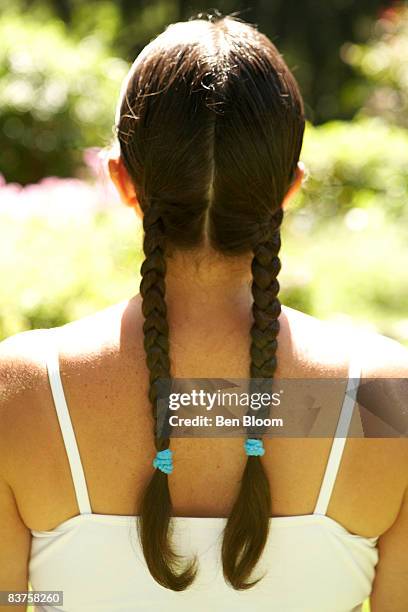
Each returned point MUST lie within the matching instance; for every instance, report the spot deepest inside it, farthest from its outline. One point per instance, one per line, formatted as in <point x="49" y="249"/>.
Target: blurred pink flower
<point x="60" y="198"/>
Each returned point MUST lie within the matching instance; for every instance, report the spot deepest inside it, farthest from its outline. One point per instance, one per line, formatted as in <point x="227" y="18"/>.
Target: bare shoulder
<point x="22" y="384"/>
<point x="331" y="345"/>
<point x="20" y="363"/>
<point x="325" y="348"/>
<point x="384" y="356"/>
<point x="107" y="331"/>
<point x="22" y="355"/>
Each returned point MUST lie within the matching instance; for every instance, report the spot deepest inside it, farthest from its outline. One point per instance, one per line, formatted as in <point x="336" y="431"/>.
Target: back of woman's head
<point x="210" y="126"/>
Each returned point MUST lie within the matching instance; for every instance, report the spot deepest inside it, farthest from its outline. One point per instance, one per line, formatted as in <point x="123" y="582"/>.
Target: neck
<point x="202" y="283"/>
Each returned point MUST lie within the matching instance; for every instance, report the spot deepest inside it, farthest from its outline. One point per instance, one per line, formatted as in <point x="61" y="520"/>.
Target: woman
<point x="210" y="125"/>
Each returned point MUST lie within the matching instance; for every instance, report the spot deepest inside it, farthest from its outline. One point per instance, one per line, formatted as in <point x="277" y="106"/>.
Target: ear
<point x="295" y="184"/>
<point x="123" y="183"/>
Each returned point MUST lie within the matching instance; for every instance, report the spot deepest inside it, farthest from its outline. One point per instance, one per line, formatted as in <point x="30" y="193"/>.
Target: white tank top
<point x="310" y="563"/>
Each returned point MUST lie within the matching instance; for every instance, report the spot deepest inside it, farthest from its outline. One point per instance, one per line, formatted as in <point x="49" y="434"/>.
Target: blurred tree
<point x="383" y="90"/>
<point x="309" y="34"/>
<point x="63" y="9"/>
<point x="52" y="104"/>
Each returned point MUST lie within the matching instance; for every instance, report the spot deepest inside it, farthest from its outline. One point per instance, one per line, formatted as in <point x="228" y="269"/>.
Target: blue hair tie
<point x="163" y="461"/>
<point x="254" y="448"/>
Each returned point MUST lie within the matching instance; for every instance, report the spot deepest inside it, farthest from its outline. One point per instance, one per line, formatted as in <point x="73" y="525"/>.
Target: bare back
<point x="105" y="382"/>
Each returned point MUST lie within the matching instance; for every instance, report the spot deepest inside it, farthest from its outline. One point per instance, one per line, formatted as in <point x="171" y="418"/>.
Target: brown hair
<point x="211" y="127"/>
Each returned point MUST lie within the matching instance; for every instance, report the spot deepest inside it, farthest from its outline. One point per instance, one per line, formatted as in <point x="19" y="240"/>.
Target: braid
<point x="156" y="506"/>
<point x="266" y="307"/>
<point x="155" y="327"/>
<point x="246" y="532"/>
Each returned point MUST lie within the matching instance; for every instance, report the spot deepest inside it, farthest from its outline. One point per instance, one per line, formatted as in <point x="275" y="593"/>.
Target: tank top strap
<point x="340" y="436"/>
<point x="64" y="419"/>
